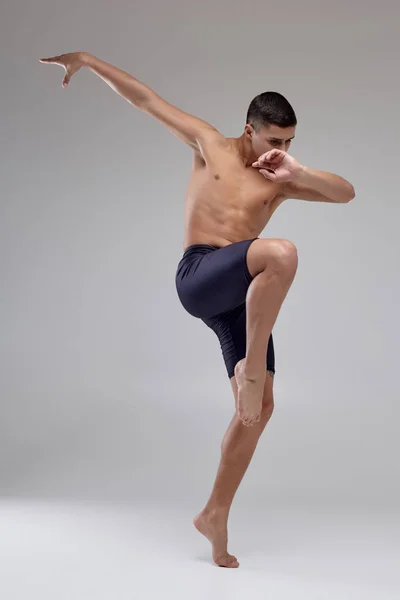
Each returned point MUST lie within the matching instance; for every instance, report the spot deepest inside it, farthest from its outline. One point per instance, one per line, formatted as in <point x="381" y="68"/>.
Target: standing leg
<point x="273" y="265"/>
<point x="237" y="449"/>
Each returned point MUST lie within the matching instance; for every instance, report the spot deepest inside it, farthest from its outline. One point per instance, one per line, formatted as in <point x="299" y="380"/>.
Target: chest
<point x="231" y="181"/>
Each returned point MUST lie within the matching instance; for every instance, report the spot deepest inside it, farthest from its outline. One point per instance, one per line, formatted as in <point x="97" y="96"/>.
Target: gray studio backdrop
<point x="109" y="389"/>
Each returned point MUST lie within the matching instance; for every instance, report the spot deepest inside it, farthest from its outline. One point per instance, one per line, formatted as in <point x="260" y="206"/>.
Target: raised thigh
<point x="211" y="281"/>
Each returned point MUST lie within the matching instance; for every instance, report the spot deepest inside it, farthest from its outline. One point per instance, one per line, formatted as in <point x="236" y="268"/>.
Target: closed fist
<point x="276" y="165"/>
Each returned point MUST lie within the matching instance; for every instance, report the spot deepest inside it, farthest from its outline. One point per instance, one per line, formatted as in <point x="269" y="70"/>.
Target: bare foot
<point x="250" y="394"/>
<point x="213" y="524"/>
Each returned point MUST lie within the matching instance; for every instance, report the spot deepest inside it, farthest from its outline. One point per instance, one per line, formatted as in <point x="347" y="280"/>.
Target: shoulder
<point x="210" y="136"/>
<point x="211" y="145"/>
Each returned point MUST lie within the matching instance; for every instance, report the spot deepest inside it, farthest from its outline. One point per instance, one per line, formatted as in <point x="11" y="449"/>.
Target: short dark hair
<point x="270" y="108"/>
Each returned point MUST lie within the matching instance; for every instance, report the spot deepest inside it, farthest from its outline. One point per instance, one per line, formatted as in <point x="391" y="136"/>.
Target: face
<point x="269" y="137"/>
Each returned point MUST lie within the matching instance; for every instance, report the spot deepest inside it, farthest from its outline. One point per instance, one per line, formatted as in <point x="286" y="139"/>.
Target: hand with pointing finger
<point x="71" y="62"/>
<point x="278" y="166"/>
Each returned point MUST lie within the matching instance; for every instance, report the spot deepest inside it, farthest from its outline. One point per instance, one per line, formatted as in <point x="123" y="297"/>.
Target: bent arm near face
<point x="193" y="131"/>
<point x="318" y="186"/>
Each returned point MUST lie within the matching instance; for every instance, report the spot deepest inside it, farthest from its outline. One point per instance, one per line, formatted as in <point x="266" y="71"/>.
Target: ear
<point x="248" y="129"/>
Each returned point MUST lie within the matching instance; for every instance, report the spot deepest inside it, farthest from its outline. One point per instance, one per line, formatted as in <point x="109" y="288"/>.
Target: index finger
<point x="53" y="59"/>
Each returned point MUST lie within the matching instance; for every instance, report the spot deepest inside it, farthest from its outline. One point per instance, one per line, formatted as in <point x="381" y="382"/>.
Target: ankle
<point x="216" y="510"/>
<point x="250" y="367"/>
<point x="253" y="371"/>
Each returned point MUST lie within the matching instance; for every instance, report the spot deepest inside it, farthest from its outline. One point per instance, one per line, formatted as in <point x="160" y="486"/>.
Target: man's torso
<point x="226" y="201"/>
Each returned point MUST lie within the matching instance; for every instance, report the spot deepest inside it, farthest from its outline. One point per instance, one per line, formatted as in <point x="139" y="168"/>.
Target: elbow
<point x="351" y="194"/>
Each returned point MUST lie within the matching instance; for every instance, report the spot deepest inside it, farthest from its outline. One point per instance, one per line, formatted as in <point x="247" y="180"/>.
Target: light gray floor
<point x="79" y="552"/>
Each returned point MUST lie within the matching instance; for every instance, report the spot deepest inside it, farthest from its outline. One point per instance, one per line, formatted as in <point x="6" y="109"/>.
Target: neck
<point x="244" y="149"/>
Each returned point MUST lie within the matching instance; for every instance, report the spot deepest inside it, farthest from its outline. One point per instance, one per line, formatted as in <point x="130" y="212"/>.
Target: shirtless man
<point x="229" y="277"/>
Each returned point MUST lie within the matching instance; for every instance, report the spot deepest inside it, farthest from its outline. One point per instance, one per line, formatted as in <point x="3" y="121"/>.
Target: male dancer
<point x="229" y="277"/>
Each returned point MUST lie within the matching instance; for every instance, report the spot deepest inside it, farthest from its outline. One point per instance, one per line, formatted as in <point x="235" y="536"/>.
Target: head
<point x="270" y="123"/>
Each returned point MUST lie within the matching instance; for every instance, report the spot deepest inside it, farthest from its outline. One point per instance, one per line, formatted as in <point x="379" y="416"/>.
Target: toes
<point x="249" y="422"/>
<point x="232" y="564"/>
<point x="228" y="561"/>
<point x="233" y="558"/>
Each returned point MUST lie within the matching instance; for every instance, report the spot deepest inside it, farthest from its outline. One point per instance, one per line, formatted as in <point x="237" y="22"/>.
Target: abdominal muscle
<point x="203" y="228"/>
<point x="235" y="206"/>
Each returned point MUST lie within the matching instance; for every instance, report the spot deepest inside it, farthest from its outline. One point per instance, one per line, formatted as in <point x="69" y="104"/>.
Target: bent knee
<point x="284" y="254"/>
<point x="277" y="254"/>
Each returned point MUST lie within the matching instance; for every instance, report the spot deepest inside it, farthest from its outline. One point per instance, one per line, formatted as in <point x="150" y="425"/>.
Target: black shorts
<point x="212" y="284"/>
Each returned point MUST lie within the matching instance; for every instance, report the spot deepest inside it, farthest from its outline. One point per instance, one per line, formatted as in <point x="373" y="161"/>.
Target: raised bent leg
<point x="273" y="264"/>
<point x="237" y="449"/>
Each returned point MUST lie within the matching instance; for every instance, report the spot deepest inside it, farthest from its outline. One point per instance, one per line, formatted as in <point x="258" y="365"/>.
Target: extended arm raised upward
<point x="190" y="129"/>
